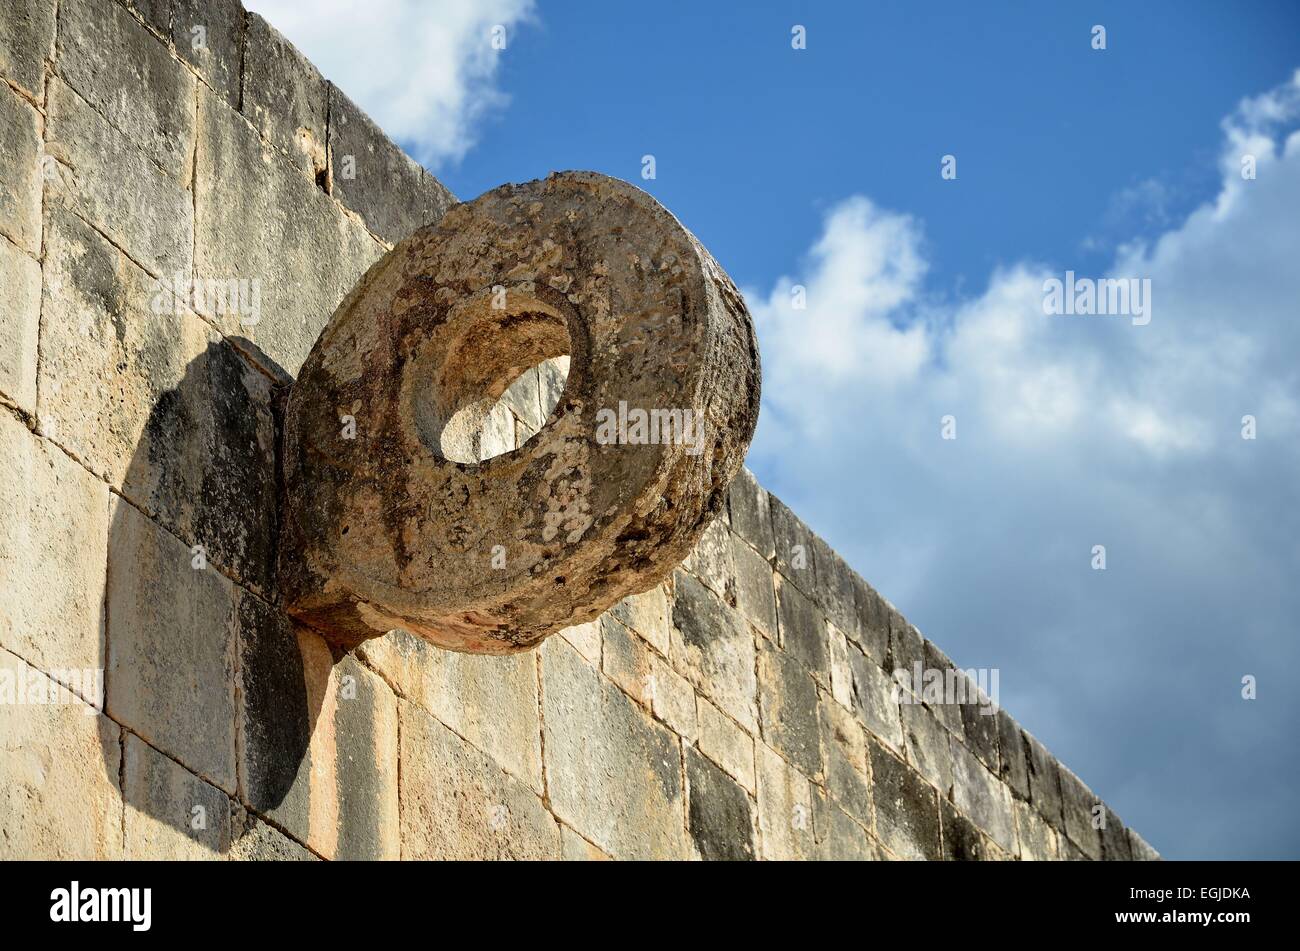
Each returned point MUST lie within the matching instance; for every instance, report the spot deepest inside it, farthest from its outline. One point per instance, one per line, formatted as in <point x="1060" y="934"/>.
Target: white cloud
<point x="423" y="69"/>
<point x="1073" y="431"/>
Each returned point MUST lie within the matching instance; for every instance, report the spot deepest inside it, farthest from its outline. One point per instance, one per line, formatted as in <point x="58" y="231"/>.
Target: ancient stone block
<point x="672" y="699"/>
<point x="726" y="744"/>
<point x="978" y="794"/>
<point x="20" y="314"/>
<point x="106" y="179"/>
<point x="835" y="591"/>
<point x="21" y="169"/>
<point x="53" y="540"/>
<point x="171" y="814"/>
<point x="574" y="848"/>
<point x="1013" y="767"/>
<point x="171" y="632"/>
<point x="840" y="838"/>
<point x="711" y="561"/>
<point x="156" y="14"/>
<point x="845" y="747"/>
<point x="586" y="639"/>
<point x="60" y="762"/>
<point x="1044" y="781"/>
<point x="906" y="645"/>
<point x="613" y="774"/>
<point x="944" y="706"/>
<point x="720" y="816"/>
<point x="285" y="97"/>
<point x="26" y="41"/>
<point x="1036" y="838"/>
<point x="785" y="809"/>
<point x="130" y="79"/>
<point x="927" y="745"/>
<point x="318" y="742"/>
<point x="1115" y="845"/>
<point x="962" y="839"/>
<point x="255" y="841"/>
<point x="874" y="701"/>
<point x="1140" y="849"/>
<point x="649" y="614"/>
<point x="755" y="594"/>
<point x="149" y="397"/>
<point x="458" y="805"/>
<point x="980" y="726"/>
<point x="787" y="704"/>
<point x="751" y="517"/>
<point x="267" y="235"/>
<point x="209" y="35"/>
<point x="713" y="650"/>
<point x="376" y="179"/>
<point x="491" y="702"/>
<point x="523" y="398"/>
<point x="626" y="660"/>
<point x="841" y="671"/>
<point x="803" y="629"/>
<point x="872" y="629"/>
<point x="793" y="548"/>
<point x="907" y="808"/>
<point x="1081" y="810"/>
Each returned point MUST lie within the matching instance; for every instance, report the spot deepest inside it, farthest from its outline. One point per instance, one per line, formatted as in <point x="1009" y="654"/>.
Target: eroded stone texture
<point x="397" y="527"/>
<point x="26" y="39"/>
<point x="209" y="35"/>
<point x="20" y="312"/>
<point x="171" y="814"/>
<point x="20" y="170"/>
<point x="713" y="649"/>
<point x="907" y="808"/>
<point x="787" y="703"/>
<point x="785" y="809"/>
<point x="721" y="819"/>
<point x="285" y="96"/>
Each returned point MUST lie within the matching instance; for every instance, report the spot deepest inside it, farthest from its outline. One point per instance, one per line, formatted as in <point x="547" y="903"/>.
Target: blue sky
<point x="820" y="167"/>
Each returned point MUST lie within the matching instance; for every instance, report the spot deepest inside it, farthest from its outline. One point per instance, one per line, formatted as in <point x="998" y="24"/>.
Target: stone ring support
<point x="389" y="520"/>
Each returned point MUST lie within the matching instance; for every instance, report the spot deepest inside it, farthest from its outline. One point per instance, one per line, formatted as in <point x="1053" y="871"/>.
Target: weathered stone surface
<point x="1044" y="781"/>
<point x="458" y="805"/>
<point x="720" y="816"/>
<point x="255" y="841"/>
<point x="649" y="614"/>
<point x="1013" y="767"/>
<point x="1082" y="810"/>
<point x="523" y="398"/>
<point x="711" y="561"/>
<point x="491" y="702"/>
<point x="1115" y="846"/>
<point x="927" y="745"/>
<point x="945" y="705"/>
<point x="171" y="633"/>
<point x="726" y="744"/>
<point x="872" y="629"/>
<point x="980" y="726"/>
<point x="672" y="699"/>
<point x="586" y="639"/>
<point x="59" y="761"/>
<point x="53" y="540"/>
<point x="787" y="704"/>
<point x="1036" y="838"/>
<point x="978" y="794"/>
<point x="156" y="14"/>
<point x="803" y="629"/>
<point x="130" y="79"/>
<point x="574" y="848"/>
<point x="209" y="35"/>
<point x="589" y="512"/>
<point x="26" y="41"/>
<point x="20" y="313"/>
<point x="793" y="548"/>
<point x="146" y="395"/>
<point x="785" y="809"/>
<point x="552" y="375"/>
<point x="906" y="645"/>
<point x="845" y="746"/>
<point x="106" y="179"/>
<point x="962" y="839"/>
<point x="318" y="742"/>
<point x="376" y="179"/>
<point x="260" y="223"/>
<point x="841" y="670"/>
<point x="1141" y="850"/>
<point x="627" y="661"/>
<point x="907" y="808"/>
<point x="171" y="814"/>
<point x="835" y="591"/>
<point x="751" y="517"/>
<point x="873" y="700"/>
<point x="713" y="650"/>
<point x="20" y="170"/>
<point x="840" y="838"/>
<point x="612" y="773"/>
<point x="285" y="97"/>
<point x="754" y="588"/>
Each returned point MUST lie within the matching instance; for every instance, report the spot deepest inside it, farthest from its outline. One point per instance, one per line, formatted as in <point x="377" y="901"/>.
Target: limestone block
<point x="962" y="839"/>
<point x="835" y="591"/>
<point x="255" y="841"/>
<point x="586" y="639"/>
<point x="845" y="746"/>
<point x="804" y="634"/>
<point x="755" y="587"/>
<point x="613" y="774"/>
<point x="726" y="744"/>
<point x="209" y="35"/>
<point x="720" y="815"/>
<point x="1082" y="810"/>
<point x="1140" y="849"/>
<point x="130" y="79"/>
<point x="787" y="703"/>
<point x="673" y="699"/>
<point x="156" y="14"/>
<point x="874" y="703"/>
<point x="872" y="629"/>
<point x="978" y="794"/>
<point x="751" y="518"/>
<point x="457" y="805"/>
<point x="907" y="807"/>
<point x="711" y="561"/>
<point x="840" y="838"/>
<point x="491" y="702"/>
<point x="26" y="41"/>
<point x="171" y="647"/>
<point x="649" y="614"/>
<point x="21" y="171"/>
<point x="574" y="848"/>
<point x="1013" y="767"/>
<point x="171" y="814"/>
<point x="785" y="809"/>
<point x="59" y="763"/>
<point x="1036" y="838"/>
<point x="285" y="97"/>
<point x="793" y="548"/>
<point x="713" y="650"/>
<point x="927" y="745"/>
<point x="1044" y="781"/>
<point x="20" y="314"/>
<point x="53" y="545"/>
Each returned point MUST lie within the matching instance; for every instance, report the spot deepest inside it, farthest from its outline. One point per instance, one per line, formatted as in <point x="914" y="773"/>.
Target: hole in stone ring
<point x="491" y="379"/>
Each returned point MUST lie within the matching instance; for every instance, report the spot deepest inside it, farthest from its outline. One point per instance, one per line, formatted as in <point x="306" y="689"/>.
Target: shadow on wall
<point x="222" y="693"/>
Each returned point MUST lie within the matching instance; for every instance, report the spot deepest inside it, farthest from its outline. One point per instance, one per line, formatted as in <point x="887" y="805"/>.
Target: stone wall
<point x="743" y="709"/>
